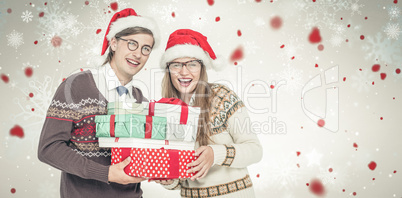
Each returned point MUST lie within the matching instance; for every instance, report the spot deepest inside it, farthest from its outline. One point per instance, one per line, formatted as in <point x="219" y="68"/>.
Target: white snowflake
<point x="382" y="49"/>
<point x="393" y="31"/>
<point x="339" y="28"/>
<point x="37" y="104"/>
<point x="27" y="16"/>
<point x="15" y="39"/>
<point x="293" y="78"/>
<point x="314" y="158"/>
<point x="362" y="80"/>
<point x="259" y="22"/>
<point x="336" y="40"/>
<point x="355" y="7"/>
<point x="394" y="12"/>
<point x="164" y="12"/>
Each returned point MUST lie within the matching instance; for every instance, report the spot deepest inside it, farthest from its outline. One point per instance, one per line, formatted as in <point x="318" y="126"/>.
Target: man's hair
<point x="127" y="32"/>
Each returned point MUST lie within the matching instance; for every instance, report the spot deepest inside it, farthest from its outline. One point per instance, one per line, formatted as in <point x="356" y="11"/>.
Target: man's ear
<point x="113" y="44"/>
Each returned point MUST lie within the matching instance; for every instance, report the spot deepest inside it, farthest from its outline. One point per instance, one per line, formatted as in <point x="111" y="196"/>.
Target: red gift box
<point x="155" y="163"/>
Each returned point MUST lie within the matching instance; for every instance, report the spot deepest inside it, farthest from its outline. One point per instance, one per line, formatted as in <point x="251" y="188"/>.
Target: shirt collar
<point x="112" y="82"/>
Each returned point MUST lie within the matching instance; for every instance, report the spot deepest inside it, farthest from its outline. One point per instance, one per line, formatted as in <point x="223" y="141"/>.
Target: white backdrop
<point x="322" y="111"/>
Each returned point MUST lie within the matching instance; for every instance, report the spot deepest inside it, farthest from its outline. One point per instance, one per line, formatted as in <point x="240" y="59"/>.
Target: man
<point x="68" y="140"/>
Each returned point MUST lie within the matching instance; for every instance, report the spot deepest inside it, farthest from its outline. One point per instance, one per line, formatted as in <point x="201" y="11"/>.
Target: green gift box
<point x="124" y="108"/>
<point x="131" y="125"/>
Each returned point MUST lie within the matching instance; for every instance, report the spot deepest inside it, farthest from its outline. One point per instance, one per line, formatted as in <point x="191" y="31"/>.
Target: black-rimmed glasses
<point x="133" y="45"/>
<point x="192" y="66"/>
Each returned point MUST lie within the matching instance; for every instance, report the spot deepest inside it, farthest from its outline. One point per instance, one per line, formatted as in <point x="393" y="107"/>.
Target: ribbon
<point x="112" y="118"/>
<point x="174" y="163"/>
<point x="148" y="127"/>
<point x="175" y="101"/>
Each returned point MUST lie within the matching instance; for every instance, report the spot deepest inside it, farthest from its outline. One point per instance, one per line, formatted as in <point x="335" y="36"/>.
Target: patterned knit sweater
<point x="68" y="140"/>
<point x="235" y="147"/>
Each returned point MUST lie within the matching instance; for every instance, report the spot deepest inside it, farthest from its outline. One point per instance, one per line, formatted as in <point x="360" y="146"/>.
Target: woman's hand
<point x="117" y="174"/>
<point x="203" y="163"/>
<point x="164" y="182"/>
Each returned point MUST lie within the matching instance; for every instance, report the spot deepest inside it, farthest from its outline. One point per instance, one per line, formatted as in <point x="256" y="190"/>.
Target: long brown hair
<point x="127" y="32"/>
<point x="203" y="99"/>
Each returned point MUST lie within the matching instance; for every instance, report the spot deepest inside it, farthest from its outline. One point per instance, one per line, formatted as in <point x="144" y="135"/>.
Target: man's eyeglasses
<point x="192" y="66"/>
<point x="133" y="45"/>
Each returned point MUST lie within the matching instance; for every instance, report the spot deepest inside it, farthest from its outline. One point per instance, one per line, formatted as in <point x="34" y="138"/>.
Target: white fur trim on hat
<point x="191" y="51"/>
<point x="134" y="21"/>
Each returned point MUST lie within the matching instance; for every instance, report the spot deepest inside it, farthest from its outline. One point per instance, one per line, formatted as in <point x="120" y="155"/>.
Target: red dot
<point x="383" y="76"/>
<point x="365" y="18"/>
<point x="343" y="190"/>
<point x="9" y="10"/>
<point x="394" y="171"/>
<point x="41" y="14"/>
<point x="13" y="190"/>
<point x="362" y="37"/>
<point x="217" y="19"/>
<point x="258" y="1"/>
<point x="31" y="95"/>
<point x="114" y="6"/>
<point x="313" y="0"/>
<point x="317" y="187"/>
<point x="36" y="42"/>
<point x="307" y="184"/>
<point x="376" y="68"/>
<point x="354" y="193"/>
<point x="272" y="86"/>
<point x="298" y="153"/>
<point x="210" y="2"/>
<point x="282" y="46"/>
<point x="372" y="165"/>
<point x="330" y="170"/>
<point x="276" y="22"/>
<point x="86" y="2"/>
<point x="235" y="63"/>
<point x="28" y="71"/>
<point x="395" y="1"/>
<point x="321" y="123"/>
<point x="238" y="33"/>
<point x="45" y="3"/>
<point x="360" y="69"/>
<point x="258" y="176"/>
<point x="381" y="118"/>
<point x="173" y="14"/>
<point x="98" y="31"/>
<point x="237" y="54"/>
<point x="315" y="36"/>
<point x="347" y="40"/>
<point x="373" y="179"/>
<point x="32" y="109"/>
<point x="316" y="65"/>
<point x="355" y="145"/>
<point x="292" y="58"/>
<point x="372" y="83"/>
<point x="348" y="25"/>
<point x="398" y="71"/>
<point x="5" y="78"/>
<point x="344" y="79"/>
<point x="341" y="18"/>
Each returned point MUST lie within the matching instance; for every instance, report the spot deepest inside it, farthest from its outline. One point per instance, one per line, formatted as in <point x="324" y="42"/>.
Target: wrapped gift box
<point x="145" y="143"/>
<point x="182" y="120"/>
<point x="124" y="108"/>
<point x="131" y="125"/>
<point x="155" y="163"/>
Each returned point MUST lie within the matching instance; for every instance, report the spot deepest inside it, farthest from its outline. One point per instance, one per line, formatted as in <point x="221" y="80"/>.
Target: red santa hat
<point x="125" y="19"/>
<point x="188" y="43"/>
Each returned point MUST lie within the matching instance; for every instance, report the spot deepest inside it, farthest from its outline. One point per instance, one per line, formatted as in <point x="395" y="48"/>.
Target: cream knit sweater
<point x="235" y="147"/>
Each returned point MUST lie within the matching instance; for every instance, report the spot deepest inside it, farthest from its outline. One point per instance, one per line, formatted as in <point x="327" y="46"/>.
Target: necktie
<point x="122" y="90"/>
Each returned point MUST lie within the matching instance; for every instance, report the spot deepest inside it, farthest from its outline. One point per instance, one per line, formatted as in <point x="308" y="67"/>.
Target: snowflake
<point x="259" y="21"/>
<point x="336" y="40"/>
<point x="163" y="11"/>
<point x="362" y="80"/>
<point x="320" y="13"/>
<point x="314" y="158"/>
<point x="383" y="49"/>
<point x="38" y="104"/>
<point x="27" y="16"/>
<point x="394" y="12"/>
<point x="355" y="7"/>
<point x="15" y="39"/>
<point x="293" y="78"/>
<point x="339" y="28"/>
<point x="284" y="173"/>
<point x="48" y="189"/>
<point x="392" y="31"/>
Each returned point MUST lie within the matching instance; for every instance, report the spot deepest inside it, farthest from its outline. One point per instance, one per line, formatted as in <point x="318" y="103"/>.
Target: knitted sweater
<point x="234" y="146"/>
<point x="68" y="140"/>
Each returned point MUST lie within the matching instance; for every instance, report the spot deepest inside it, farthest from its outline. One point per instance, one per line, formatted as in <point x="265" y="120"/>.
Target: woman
<point x="225" y="146"/>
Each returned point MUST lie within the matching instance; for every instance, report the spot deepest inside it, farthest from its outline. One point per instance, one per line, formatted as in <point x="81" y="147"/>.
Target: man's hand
<point x="117" y="174"/>
<point x="203" y="163"/>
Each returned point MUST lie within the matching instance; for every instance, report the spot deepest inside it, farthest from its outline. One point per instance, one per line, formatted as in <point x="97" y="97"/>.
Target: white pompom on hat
<point x="189" y="43"/>
<point x="125" y="19"/>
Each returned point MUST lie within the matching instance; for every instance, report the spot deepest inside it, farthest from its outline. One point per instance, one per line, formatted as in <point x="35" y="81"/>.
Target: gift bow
<point x="176" y="101"/>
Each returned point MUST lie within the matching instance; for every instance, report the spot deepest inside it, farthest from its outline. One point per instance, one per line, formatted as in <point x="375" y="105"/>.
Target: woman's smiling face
<point x="183" y="79"/>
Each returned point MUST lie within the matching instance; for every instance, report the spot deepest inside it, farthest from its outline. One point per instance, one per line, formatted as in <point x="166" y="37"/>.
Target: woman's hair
<point x="203" y="99"/>
<point x="127" y="32"/>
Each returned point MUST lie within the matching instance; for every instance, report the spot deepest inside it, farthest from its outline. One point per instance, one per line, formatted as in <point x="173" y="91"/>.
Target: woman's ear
<point x="113" y="44"/>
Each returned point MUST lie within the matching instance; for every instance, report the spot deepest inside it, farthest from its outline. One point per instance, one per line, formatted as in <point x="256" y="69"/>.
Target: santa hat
<point x="188" y="43"/>
<point x="125" y="19"/>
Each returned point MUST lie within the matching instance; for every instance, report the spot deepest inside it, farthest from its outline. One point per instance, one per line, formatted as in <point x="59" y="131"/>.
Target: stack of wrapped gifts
<point x="158" y="136"/>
